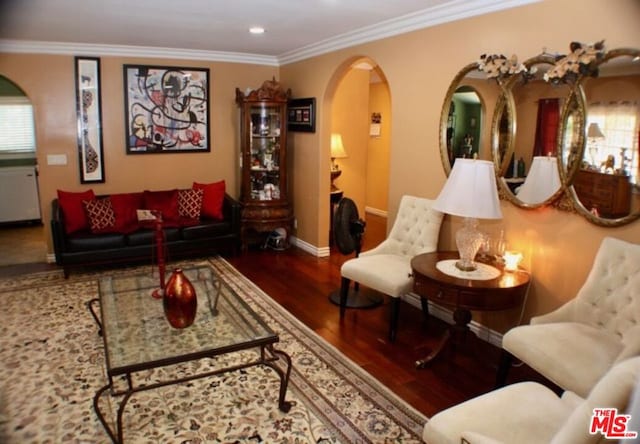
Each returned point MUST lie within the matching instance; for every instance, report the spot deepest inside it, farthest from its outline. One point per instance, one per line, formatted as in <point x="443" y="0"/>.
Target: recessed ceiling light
<point x="256" y="30"/>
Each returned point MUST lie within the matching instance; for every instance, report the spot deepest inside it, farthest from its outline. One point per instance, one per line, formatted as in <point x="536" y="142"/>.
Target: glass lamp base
<point x="468" y="241"/>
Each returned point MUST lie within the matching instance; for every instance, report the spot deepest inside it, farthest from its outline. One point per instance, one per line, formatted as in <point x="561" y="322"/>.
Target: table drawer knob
<point x="440" y="295"/>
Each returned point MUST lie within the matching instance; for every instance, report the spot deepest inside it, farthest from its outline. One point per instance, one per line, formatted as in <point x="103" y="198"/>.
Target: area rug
<point x="52" y="364"/>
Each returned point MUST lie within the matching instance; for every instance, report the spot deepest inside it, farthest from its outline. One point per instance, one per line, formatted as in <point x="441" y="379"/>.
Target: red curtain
<point x="547" y="127"/>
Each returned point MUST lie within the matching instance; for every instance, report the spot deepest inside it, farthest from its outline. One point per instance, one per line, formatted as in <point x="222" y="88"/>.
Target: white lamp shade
<point x="470" y="191"/>
<point x="594" y="131"/>
<point x="337" y="148"/>
<point x="542" y="181"/>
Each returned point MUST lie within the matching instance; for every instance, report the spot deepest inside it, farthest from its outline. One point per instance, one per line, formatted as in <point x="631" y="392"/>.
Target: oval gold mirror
<point x="605" y="178"/>
<point x="527" y="167"/>
<point x="464" y="127"/>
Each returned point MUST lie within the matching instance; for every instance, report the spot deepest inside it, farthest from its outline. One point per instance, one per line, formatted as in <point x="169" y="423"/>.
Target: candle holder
<point x="512" y="260"/>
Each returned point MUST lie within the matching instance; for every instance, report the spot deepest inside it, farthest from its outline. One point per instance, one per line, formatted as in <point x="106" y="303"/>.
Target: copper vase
<point x="179" y="300"/>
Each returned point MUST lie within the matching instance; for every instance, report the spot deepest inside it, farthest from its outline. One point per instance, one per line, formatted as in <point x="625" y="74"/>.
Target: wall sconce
<point x="512" y="260"/>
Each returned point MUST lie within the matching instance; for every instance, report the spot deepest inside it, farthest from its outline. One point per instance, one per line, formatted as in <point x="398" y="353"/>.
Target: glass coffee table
<point x="138" y="338"/>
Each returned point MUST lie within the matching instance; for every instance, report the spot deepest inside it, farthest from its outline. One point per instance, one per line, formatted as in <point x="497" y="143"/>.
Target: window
<point x="619" y="124"/>
<point x="17" y="134"/>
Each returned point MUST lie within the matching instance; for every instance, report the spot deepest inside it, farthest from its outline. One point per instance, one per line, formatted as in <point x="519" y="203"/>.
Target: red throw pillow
<point x="166" y="202"/>
<point x="75" y="218"/>
<point x="100" y="213"/>
<point x="212" y="199"/>
<point x="190" y="203"/>
<point x="125" y="206"/>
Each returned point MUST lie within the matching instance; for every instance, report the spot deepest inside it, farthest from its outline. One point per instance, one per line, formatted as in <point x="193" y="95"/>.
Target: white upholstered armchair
<point x="577" y="343"/>
<point x="387" y="267"/>
<point x="530" y="413"/>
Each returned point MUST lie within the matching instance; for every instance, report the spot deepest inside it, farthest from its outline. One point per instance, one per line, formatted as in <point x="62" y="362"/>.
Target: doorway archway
<point x="360" y="111"/>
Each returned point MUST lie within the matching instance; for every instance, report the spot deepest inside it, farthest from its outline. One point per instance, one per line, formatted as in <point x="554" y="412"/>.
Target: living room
<point x="419" y="66"/>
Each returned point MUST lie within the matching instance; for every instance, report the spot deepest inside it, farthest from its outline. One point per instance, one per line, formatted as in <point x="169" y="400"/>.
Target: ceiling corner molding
<point x="449" y="12"/>
<point x="66" y="48"/>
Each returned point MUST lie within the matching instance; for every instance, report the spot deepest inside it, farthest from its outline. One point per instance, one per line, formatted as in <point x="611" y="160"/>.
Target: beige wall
<point x="378" y="149"/>
<point x="419" y="67"/>
<point x="349" y="118"/>
<point x="49" y="82"/>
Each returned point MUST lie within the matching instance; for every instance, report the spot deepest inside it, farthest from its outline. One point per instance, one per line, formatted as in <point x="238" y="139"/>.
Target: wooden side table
<point x="507" y="290"/>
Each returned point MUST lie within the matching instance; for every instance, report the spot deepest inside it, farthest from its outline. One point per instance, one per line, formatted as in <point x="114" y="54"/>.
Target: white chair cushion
<point x="572" y="355"/>
<point x="386" y="273"/>
<point x="521" y="413"/>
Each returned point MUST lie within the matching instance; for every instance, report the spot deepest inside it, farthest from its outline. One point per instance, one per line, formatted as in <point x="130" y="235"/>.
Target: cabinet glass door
<point x="264" y="152"/>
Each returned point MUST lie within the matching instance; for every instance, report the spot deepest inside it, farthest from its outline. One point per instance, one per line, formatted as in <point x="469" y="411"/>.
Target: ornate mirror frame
<point x="483" y="128"/>
<point x="521" y="96"/>
<point x="573" y="141"/>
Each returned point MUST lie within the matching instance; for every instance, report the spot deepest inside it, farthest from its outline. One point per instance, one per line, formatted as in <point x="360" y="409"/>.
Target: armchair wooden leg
<point x="344" y="292"/>
<point x="395" y="314"/>
<point x="503" y="369"/>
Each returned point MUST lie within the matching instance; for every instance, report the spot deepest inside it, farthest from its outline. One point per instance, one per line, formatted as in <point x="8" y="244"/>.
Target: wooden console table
<point x="506" y="291"/>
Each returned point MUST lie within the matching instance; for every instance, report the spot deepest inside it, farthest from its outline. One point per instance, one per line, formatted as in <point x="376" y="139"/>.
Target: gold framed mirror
<point x="526" y="162"/>
<point x="465" y="128"/>
<point x="600" y="147"/>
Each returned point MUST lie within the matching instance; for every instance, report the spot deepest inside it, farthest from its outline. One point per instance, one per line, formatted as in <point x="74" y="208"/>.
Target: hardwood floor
<point x="302" y="283"/>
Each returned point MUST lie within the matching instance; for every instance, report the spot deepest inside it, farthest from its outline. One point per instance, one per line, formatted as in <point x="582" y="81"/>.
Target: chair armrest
<point x="564" y="313"/>
<point x="571" y="399"/>
<point x="57" y="230"/>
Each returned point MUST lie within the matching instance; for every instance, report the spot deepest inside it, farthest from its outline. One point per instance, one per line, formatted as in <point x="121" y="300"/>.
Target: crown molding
<point x="449" y="12"/>
<point x="64" y="48"/>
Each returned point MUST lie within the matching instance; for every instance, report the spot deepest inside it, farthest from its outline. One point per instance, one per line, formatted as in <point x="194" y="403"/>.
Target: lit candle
<point x="512" y="260"/>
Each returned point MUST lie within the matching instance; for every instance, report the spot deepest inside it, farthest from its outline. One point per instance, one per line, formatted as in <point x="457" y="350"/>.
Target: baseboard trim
<point x="307" y="247"/>
<point x="51" y="258"/>
<point x="483" y="332"/>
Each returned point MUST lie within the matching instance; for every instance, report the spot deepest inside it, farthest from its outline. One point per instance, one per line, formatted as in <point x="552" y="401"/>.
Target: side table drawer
<point x="435" y="292"/>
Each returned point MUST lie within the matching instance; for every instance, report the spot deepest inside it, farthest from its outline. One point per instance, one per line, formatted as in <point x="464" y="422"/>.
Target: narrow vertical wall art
<point x="88" y="106"/>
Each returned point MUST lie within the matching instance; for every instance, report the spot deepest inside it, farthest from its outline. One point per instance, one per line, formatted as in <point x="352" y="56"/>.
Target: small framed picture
<point x="301" y="115"/>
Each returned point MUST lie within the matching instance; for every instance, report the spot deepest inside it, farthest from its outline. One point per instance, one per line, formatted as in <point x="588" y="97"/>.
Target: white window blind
<point x="17" y="134"/>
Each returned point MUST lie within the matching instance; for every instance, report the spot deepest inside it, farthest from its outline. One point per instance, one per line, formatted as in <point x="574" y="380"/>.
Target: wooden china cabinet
<point x="263" y="161"/>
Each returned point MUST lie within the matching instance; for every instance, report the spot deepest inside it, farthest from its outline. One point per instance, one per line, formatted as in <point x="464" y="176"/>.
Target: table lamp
<point x="470" y="192"/>
<point x="594" y="134"/>
<point x="337" y="152"/>
<point x="542" y="181"/>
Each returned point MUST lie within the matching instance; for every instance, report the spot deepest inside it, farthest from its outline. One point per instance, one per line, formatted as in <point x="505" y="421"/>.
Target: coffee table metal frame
<point x="267" y="355"/>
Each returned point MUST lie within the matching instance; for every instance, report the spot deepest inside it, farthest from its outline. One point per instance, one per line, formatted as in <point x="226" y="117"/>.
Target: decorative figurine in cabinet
<point x="263" y="160"/>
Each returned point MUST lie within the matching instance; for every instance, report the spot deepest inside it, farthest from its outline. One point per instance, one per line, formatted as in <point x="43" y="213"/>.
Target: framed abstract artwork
<point x="89" y="123"/>
<point x="301" y="115"/>
<point x="166" y="109"/>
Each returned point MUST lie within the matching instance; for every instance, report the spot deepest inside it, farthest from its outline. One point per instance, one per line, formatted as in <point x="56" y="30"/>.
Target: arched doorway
<point x="360" y="104"/>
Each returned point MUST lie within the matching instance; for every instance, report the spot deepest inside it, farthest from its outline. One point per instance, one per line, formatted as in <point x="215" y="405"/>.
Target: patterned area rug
<point x="52" y="364"/>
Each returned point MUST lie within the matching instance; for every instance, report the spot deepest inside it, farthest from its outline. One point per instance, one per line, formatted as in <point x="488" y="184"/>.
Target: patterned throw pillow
<point x="190" y="203"/>
<point x="100" y="214"/>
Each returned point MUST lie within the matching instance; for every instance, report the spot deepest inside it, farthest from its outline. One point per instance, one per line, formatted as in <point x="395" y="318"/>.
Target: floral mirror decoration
<point x="499" y="67"/>
<point x="582" y="61"/>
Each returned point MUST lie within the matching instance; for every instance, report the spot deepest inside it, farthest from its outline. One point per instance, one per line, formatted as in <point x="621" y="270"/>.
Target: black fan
<point x="348" y="229"/>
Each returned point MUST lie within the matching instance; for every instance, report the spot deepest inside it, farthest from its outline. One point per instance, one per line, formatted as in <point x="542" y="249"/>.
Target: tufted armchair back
<point x="610" y="297"/>
<point x="415" y="230"/>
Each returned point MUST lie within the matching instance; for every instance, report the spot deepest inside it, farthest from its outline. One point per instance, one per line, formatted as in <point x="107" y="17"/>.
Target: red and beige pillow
<point x="102" y="218"/>
<point x="190" y="203"/>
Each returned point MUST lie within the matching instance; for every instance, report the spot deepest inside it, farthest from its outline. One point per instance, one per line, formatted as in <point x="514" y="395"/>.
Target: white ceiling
<point x="295" y="29"/>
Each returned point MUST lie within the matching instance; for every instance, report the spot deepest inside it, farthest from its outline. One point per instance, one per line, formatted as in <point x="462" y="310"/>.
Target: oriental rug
<point x="52" y="364"/>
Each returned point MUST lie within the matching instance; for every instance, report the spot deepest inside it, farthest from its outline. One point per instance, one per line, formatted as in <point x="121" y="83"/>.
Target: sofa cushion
<point x="166" y="202"/>
<point x="87" y="242"/>
<point x="208" y="229"/>
<point x="70" y="202"/>
<point x="148" y="237"/>
<point x="190" y="203"/>
<point x="212" y="199"/>
<point x="125" y="206"/>
<point x="100" y="213"/>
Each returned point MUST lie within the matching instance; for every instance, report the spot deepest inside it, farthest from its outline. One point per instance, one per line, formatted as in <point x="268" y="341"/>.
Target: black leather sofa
<point x="84" y="248"/>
